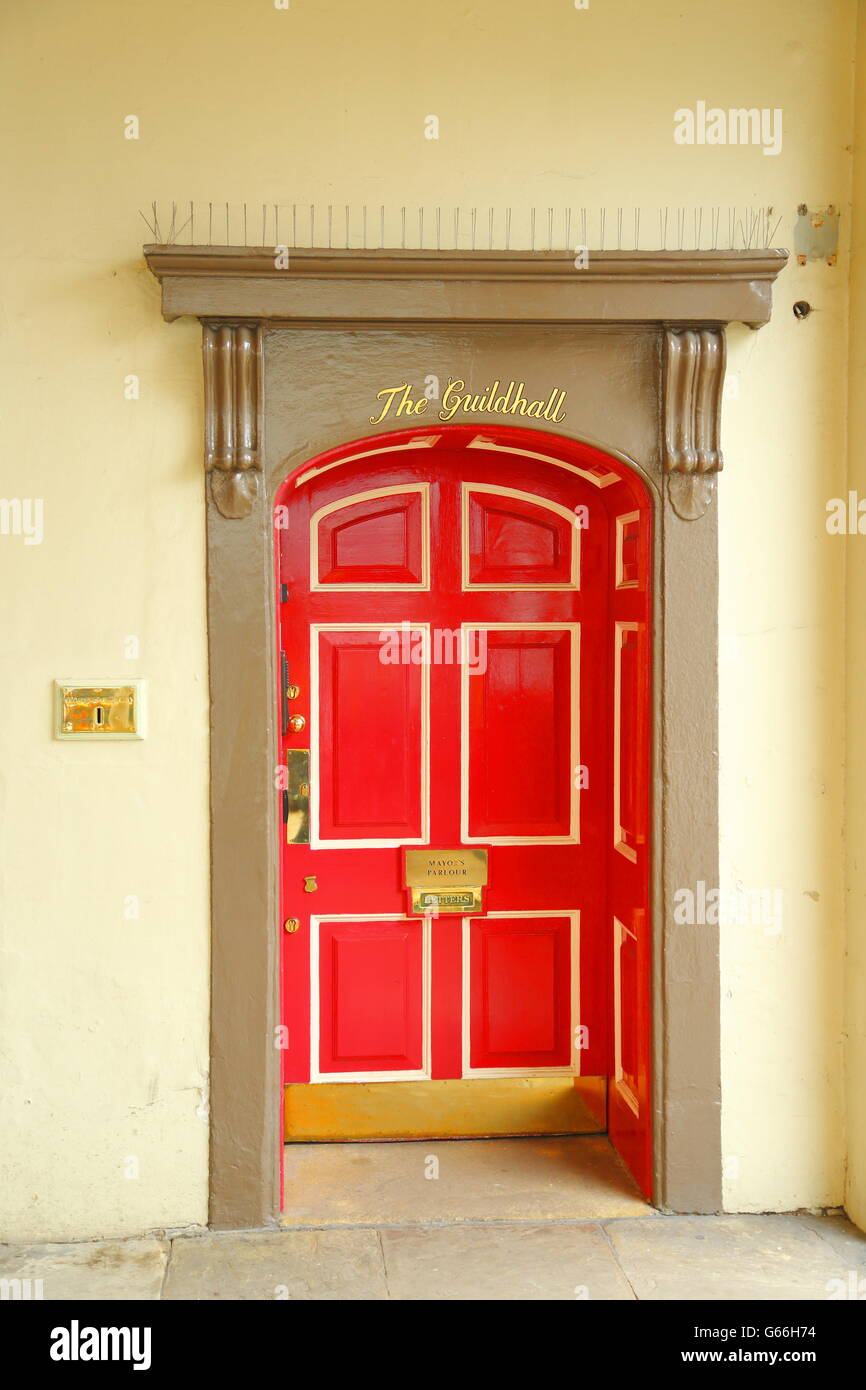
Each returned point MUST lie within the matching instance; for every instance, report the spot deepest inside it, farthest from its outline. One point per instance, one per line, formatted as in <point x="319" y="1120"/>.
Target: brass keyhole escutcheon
<point x="292" y="692"/>
<point x="310" y="884"/>
<point x="297" y="723"/>
<point x="291" y="924"/>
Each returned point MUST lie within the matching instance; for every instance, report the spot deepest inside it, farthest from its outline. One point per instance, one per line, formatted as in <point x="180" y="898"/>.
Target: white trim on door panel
<point x="316" y="840"/>
<point x="469" y="1071"/>
<point x="318" y="1076"/>
<point x="467" y="489"/>
<point x="422" y="586"/>
<point x="628" y="1095"/>
<point x="605" y="480"/>
<point x="422" y="442"/>
<point x="618" y="833"/>
<point x="573" y="838"/>
<point x="621" y="523"/>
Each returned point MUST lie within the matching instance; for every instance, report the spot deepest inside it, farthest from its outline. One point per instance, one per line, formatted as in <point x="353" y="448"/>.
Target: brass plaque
<point x="109" y="710"/>
<point x="446" y="868"/>
<point x="298" y="797"/>
<point x="435" y="900"/>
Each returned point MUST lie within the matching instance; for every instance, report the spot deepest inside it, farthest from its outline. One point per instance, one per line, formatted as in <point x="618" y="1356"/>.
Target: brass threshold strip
<point x="454" y="1109"/>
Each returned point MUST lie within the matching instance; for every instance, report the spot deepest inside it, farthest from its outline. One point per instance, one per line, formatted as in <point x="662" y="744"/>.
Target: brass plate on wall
<point x="334" y="1111"/>
<point x="446" y="868"/>
<point x="104" y="710"/>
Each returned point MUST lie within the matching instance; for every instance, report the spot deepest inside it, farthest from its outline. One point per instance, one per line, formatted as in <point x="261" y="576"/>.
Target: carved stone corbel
<point x="694" y="373"/>
<point x="231" y="410"/>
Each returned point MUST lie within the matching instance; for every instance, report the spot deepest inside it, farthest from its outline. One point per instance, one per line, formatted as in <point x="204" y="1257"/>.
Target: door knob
<point x="297" y="723"/>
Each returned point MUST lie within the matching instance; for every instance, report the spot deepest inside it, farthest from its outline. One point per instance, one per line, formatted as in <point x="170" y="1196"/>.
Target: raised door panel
<point x="629" y="733"/>
<point x="630" y="552"/>
<point x="626" y="1017"/>
<point x="520" y="739"/>
<point x="376" y="540"/>
<point x="513" y="540"/>
<point x="371" y="997"/>
<point x="370" y="740"/>
<point x="521" y="992"/>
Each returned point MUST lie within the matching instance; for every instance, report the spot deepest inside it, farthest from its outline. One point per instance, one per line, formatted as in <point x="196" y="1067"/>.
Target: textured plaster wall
<point x="104" y="1051"/>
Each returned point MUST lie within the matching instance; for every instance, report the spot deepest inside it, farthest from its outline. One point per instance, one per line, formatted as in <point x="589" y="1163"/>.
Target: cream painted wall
<point x="105" y="1031"/>
<point x="855" y="1071"/>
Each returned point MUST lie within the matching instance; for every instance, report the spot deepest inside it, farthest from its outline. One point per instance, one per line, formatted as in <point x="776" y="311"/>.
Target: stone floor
<point x="542" y="1219"/>
<point x="410" y="1184"/>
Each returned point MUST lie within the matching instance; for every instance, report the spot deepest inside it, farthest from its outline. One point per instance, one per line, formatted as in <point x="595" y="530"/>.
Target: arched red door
<point x="464" y="635"/>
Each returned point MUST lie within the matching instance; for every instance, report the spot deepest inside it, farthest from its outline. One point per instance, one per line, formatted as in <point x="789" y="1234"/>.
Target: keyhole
<point x="100" y="716"/>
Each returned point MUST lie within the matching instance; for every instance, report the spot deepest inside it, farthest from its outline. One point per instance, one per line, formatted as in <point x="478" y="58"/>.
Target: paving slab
<point x="277" y="1265"/>
<point x="99" y="1269"/>
<point x="727" y="1257"/>
<point x="846" y="1239"/>
<point x="458" y="1180"/>
<point x="555" y="1262"/>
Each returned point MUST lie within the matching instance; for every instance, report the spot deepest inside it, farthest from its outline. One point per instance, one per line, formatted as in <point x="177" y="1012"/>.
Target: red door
<point x="464" y="649"/>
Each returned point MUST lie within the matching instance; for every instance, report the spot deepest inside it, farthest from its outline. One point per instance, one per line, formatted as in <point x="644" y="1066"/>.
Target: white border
<point x="480" y="442"/>
<point x="628" y="1095"/>
<point x="467" y="489"/>
<point x="317" y="1076"/>
<point x="469" y="1071"/>
<point x="621" y="522"/>
<point x="618" y="830"/>
<point x="316" y="840"/>
<point x="573" y="838"/>
<point x="410" y="586"/>
<point x="421" y="442"/>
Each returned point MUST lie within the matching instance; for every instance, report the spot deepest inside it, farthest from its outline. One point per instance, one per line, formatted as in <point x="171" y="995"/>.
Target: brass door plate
<point x="105" y="710"/>
<point x="446" y="868"/>
<point x="298" y="797"/>
<point x="445" y="880"/>
<point x="436" y="900"/>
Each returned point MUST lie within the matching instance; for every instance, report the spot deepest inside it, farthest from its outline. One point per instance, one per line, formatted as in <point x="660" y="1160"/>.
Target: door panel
<point x="520" y="992"/>
<point x="372" y="540"/>
<point x="372" y="1003"/>
<point x="628" y="833"/>
<point x="626" y="1067"/>
<point x="369" y="800"/>
<point x="514" y="540"/>
<point x="522" y="744"/>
